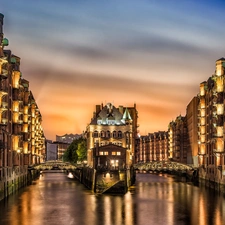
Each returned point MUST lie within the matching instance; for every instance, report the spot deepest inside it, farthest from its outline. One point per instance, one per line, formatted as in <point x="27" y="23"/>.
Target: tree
<point x="77" y="151"/>
<point x="82" y="150"/>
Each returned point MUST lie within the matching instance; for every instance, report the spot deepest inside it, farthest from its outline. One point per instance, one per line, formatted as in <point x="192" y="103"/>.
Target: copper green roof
<point x="5" y="42"/>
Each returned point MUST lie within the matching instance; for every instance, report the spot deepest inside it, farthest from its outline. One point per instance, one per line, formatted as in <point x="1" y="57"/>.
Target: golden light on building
<point x="219" y="84"/>
<point x="202" y="89"/>
<point x="15" y="79"/>
<point x="25" y="147"/>
<point x="219" y="131"/>
<point x="220" y="109"/>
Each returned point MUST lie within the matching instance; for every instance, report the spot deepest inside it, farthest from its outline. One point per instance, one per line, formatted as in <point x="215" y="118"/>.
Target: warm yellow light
<point x="25" y="109"/>
<point x="202" y="138"/>
<point x="202" y="103"/>
<point x="15" y="117"/>
<point x="219" y="145"/>
<point x="202" y="121"/>
<point x="25" y="147"/>
<point x="202" y="112"/>
<point x="202" y="129"/>
<point x="219" y="84"/>
<point x="15" y="79"/>
<point x="202" y="149"/>
<point x="220" y="109"/>
<point x="25" y="128"/>
<point x="15" y="142"/>
<point x="25" y="118"/>
<point x="202" y="89"/>
<point x="219" y="131"/>
<point x="16" y="106"/>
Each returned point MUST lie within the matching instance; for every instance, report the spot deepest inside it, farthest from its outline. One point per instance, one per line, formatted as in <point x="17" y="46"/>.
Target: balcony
<point x="17" y="118"/>
<point x="218" y="151"/>
<point x="4" y="74"/>
<point x="3" y="106"/>
<point x="3" y="122"/>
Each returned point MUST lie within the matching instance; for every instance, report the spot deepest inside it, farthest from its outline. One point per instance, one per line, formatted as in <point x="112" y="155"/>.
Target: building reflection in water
<point x="154" y="200"/>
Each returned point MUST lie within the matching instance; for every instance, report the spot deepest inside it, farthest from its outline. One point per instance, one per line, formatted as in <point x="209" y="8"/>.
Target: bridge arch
<point x="163" y="166"/>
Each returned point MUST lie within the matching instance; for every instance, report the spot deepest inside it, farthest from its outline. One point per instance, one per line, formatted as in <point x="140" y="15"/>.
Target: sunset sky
<point x="77" y="54"/>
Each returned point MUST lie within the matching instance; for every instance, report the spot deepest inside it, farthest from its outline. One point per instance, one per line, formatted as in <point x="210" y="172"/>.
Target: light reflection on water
<point x="55" y="199"/>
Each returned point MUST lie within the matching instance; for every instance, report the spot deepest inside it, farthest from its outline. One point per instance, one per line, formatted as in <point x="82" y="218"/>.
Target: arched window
<point x="107" y="134"/>
<point x="114" y="134"/>
<point x="95" y="134"/>
<point x="102" y="134"/>
<point x="120" y="134"/>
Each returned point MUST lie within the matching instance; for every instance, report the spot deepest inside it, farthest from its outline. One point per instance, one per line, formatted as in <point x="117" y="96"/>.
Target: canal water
<point x="54" y="199"/>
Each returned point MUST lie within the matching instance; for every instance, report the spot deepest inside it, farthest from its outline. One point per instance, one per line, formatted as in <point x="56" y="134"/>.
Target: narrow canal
<point x="54" y="199"/>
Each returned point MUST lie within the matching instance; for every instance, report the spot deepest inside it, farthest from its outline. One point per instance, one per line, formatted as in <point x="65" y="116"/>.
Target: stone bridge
<point x="164" y="166"/>
<point x="54" y="165"/>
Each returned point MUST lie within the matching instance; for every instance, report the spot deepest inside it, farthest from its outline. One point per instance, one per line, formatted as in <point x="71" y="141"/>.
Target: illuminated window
<point x="219" y="131"/>
<point x="106" y="153"/>
<point x="102" y="133"/>
<point x="202" y="112"/>
<point x="202" y="89"/>
<point x="219" y="144"/>
<point x="113" y="153"/>
<point x="100" y="153"/>
<point x="118" y="153"/>
<point x="220" y="109"/>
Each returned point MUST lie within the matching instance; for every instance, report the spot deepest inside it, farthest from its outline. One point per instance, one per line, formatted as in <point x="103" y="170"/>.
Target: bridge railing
<point x="162" y="166"/>
<point x="49" y="165"/>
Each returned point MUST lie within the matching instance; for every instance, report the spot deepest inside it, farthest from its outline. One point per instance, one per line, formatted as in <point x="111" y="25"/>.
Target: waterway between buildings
<point x="54" y="199"/>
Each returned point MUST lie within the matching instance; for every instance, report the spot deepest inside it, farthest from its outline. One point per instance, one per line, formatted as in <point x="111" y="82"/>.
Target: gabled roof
<point x="110" y="145"/>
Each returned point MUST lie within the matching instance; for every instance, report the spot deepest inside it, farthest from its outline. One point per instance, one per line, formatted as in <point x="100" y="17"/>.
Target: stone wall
<point x="215" y="180"/>
<point x="16" y="178"/>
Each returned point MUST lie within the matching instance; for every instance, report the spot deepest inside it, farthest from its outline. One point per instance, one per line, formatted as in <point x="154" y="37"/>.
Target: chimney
<point x="98" y="109"/>
<point x="121" y="109"/>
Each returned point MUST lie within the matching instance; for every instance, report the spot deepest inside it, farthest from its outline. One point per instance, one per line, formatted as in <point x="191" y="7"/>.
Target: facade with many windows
<point x="154" y="147"/>
<point x="22" y="141"/>
<point x="178" y="140"/>
<point x="111" y="125"/>
<point x="192" y="127"/>
<point x="211" y="125"/>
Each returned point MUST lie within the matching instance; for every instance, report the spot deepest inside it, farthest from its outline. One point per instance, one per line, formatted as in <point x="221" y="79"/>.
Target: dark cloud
<point x="88" y="52"/>
<point x="155" y="44"/>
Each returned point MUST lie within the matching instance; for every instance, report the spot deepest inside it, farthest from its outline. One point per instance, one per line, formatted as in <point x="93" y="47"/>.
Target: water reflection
<point x="56" y="199"/>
